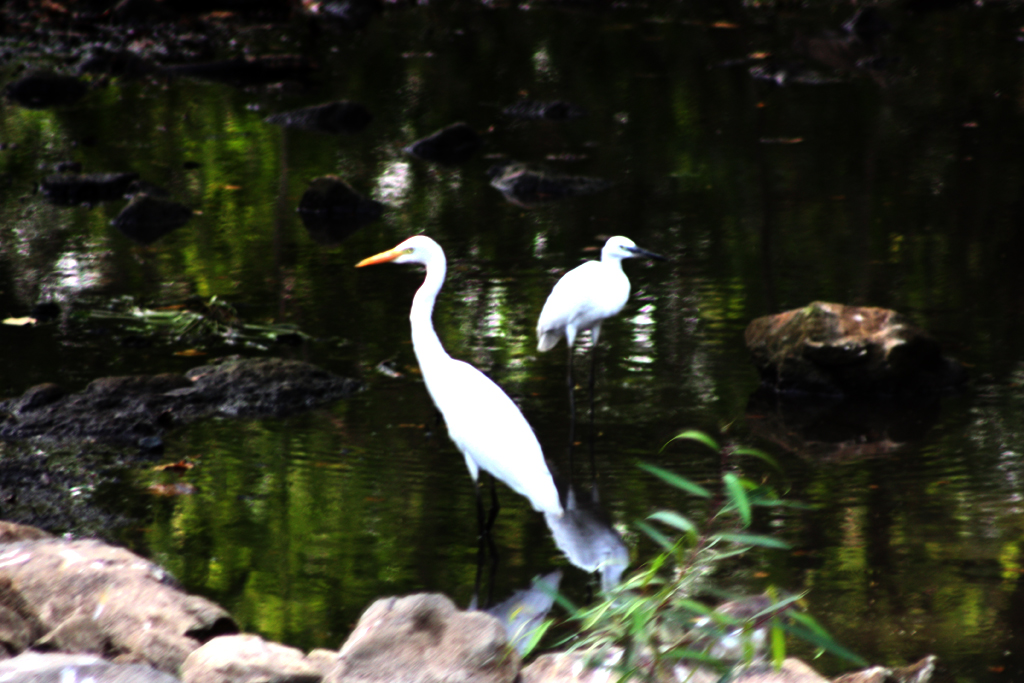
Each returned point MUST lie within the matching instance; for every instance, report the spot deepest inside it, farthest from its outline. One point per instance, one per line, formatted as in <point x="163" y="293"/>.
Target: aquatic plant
<point x="660" y="623"/>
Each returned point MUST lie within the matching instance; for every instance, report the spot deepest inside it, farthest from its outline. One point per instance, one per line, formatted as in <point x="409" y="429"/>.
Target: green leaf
<point x="674" y="519"/>
<point x="753" y="539"/>
<point x="778" y="637"/>
<point x="535" y="637"/>
<point x="737" y="494"/>
<point x="759" y="454"/>
<point x="677" y="481"/>
<point x="822" y="640"/>
<point x="694" y="435"/>
<point x="659" y="538"/>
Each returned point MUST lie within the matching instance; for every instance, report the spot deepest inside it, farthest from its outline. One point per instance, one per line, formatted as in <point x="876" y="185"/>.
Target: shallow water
<point x="901" y="190"/>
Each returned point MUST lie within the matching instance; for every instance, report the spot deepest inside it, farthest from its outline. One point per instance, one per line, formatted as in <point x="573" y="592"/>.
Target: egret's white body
<point x="486" y="426"/>
<point x="588" y="295"/>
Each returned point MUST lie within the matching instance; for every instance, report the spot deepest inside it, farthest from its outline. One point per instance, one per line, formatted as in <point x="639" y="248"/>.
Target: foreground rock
<point x="827" y="348"/>
<point x="35" y="667"/>
<point x="147" y="218"/>
<point x="73" y="189"/>
<point x="247" y="657"/>
<point x="132" y="408"/>
<point x="43" y="90"/>
<point x="425" y="638"/>
<point x="86" y="596"/>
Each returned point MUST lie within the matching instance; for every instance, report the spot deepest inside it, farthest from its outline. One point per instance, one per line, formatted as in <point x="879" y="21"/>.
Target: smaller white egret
<point x="486" y="426"/>
<point x="583" y="299"/>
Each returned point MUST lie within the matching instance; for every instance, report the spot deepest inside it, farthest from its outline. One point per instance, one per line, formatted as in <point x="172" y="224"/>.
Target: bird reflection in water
<point x="526" y="610"/>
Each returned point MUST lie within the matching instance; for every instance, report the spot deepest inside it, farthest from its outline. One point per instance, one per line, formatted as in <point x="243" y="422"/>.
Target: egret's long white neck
<point x="425" y="341"/>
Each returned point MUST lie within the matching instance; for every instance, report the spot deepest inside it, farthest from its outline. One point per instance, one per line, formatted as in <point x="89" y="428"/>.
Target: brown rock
<point x="424" y="638"/>
<point x="11" y="532"/>
<point x="94" y="597"/>
<point x="246" y="658"/>
<point x="828" y="348"/>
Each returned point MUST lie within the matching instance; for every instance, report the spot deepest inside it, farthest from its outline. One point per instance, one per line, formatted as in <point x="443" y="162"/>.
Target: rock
<point x="556" y="110"/>
<point x="44" y="90"/>
<point x="121" y="62"/>
<point x="146" y="218"/>
<point x="248" y="71"/>
<point x="424" y="638"/>
<point x="247" y="658"/>
<point x="72" y="189"/>
<point x="322" y="659"/>
<point x="333" y="117"/>
<point x="528" y="187"/>
<point x="572" y="667"/>
<point x="452" y="145"/>
<point x="331" y="210"/>
<point x="12" y="533"/>
<point x="350" y="15"/>
<point x="919" y="672"/>
<point x="93" y="597"/>
<point x="34" y="667"/>
<point x="124" y="410"/>
<point x="827" y="348"/>
<point x="38" y="396"/>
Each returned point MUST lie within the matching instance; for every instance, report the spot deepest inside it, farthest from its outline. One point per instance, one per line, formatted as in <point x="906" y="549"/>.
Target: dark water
<point x="899" y="188"/>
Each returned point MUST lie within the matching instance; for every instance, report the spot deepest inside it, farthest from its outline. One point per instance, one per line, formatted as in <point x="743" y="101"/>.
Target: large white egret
<point x="486" y="426"/>
<point x="583" y="299"/>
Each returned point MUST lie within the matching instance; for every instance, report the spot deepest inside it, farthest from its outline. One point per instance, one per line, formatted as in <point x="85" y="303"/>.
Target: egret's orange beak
<point x="382" y="257"/>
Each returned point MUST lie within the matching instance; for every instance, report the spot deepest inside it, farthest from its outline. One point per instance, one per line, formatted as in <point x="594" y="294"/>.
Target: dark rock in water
<point x="72" y="189"/>
<point x="44" y="90"/>
<point x="146" y="219"/>
<point x="333" y="117"/>
<point x="122" y="63"/>
<point x="38" y="396"/>
<point x="331" y="210"/>
<point x="786" y="73"/>
<point x="855" y="50"/>
<point x="45" y="311"/>
<point x="452" y="145"/>
<point x="827" y="348"/>
<point x="526" y="187"/>
<point x="68" y="167"/>
<point x="551" y="111"/>
<point x="123" y="410"/>
<point x="191" y="165"/>
<point x="248" y="71"/>
<point x="351" y="15"/>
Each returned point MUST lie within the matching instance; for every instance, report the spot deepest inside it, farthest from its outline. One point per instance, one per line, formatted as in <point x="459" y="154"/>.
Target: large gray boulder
<point x="424" y="638"/>
<point x="35" y="667"/>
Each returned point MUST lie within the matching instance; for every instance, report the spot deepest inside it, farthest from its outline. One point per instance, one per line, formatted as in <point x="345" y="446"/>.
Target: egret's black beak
<point x="647" y="254"/>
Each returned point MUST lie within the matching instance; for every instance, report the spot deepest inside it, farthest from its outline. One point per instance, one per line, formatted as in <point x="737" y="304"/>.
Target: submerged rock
<point x="73" y="189"/>
<point x="528" y="187"/>
<point x="351" y="15"/>
<point x="43" y="90"/>
<point x="452" y="145"/>
<point x="248" y="71"/>
<point x="333" y="117"/>
<point x="827" y="348"/>
<point x="124" y="410"/>
<point x="422" y="638"/>
<point x="556" y="110"/>
<point x="331" y="210"/>
<point x="146" y="218"/>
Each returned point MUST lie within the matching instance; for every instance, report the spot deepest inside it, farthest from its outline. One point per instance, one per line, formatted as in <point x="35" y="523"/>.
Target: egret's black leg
<point x="481" y="519"/>
<point x="495" y="507"/>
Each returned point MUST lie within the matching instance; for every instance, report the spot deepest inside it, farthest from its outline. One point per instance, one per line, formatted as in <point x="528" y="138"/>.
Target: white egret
<point x="583" y="299"/>
<point x="486" y="426"/>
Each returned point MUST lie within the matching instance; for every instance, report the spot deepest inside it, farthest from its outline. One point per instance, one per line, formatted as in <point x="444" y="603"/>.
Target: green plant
<point x="658" y="624"/>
